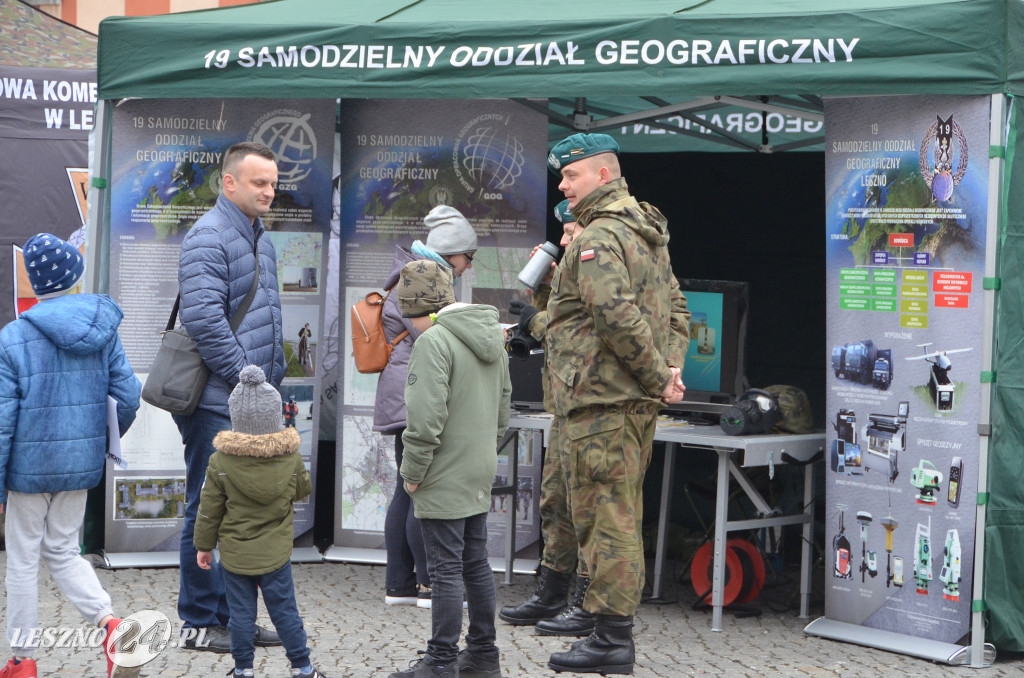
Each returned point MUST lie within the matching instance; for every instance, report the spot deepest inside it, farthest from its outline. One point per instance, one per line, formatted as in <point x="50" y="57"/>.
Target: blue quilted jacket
<point x="214" y="275"/>
<point x="58" y="363"/>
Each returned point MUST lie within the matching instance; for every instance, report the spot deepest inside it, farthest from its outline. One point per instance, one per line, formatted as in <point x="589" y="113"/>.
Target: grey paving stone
<point x="352" y="633"/>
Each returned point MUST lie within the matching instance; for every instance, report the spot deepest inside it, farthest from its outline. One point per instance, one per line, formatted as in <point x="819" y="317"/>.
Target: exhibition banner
<point x="46" y="115"/>
<point x="906" y="207"/>
<point x="166" y="173"/>
<point x="399" y="159"/>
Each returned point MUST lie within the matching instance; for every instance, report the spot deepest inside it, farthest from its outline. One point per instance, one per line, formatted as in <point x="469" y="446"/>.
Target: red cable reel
<point x="744" y="572"/>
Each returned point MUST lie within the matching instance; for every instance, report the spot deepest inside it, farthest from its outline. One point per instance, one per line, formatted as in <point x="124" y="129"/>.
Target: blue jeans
<point x="279" y="597"/>
<point x="201" y="599"/>
<point x="403" y="537"/>
<point x="457" y="555"/>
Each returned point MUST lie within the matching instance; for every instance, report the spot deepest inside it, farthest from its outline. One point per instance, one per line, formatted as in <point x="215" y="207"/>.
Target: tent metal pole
<point x="771" y="108"/>
<point x="97" y="232"/>
<point x="997" y="130"/>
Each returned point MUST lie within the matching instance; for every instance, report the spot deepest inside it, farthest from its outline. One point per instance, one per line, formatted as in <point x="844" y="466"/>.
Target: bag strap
<point x="243" y="308"/>
<point x="403" y="334"/>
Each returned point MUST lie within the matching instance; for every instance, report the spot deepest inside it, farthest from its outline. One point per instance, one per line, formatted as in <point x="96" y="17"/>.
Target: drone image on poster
<point x="864" y="363"/>
<point x="942" y="390"/>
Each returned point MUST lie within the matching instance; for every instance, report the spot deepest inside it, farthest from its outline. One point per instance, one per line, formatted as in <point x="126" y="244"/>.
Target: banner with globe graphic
<point x="907" y="200"/>
<point x="165" y="174"/>
<point x="399" y="159"/>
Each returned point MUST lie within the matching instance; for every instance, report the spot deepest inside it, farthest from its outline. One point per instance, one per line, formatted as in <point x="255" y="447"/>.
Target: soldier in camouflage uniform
<point x="616" y="340"/>
<point x="560" y="558"/>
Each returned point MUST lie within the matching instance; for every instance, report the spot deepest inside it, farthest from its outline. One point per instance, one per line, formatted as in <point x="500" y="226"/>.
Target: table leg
<point x="805" y="548"/>
<point x="513" y="497"/>
<point x="721" y="516"/>
<point x="666" y="491"/>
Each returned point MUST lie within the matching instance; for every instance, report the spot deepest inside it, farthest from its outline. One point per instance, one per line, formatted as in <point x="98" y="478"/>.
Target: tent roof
<point x="34" y="39"/>
<point x="487" y="48"/>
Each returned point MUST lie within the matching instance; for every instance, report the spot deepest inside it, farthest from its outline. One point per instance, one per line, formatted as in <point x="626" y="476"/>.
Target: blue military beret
<point x="577" y="147"/>
<point x="562" y="212"/>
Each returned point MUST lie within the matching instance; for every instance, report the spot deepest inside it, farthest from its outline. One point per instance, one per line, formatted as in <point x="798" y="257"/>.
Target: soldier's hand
<point x="674" y="390"/>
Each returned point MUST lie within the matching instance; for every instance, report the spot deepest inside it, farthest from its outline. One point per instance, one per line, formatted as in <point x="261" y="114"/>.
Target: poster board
<point x="907" y="205"/>
<point x="166" y="174"/>
<point x="398" y="160"/>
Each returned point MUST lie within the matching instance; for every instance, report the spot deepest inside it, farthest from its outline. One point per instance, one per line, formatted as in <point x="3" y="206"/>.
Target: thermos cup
<point x="538" y="266"/>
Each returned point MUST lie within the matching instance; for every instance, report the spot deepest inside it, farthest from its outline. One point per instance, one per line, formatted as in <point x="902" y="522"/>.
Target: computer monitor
<point x="715" y="369"/>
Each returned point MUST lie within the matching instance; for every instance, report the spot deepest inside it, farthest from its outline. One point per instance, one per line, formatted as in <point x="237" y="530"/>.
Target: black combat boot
<point x="548" y="600"/>
<point x="574" y="620"/>
<point x="609" y="649"/>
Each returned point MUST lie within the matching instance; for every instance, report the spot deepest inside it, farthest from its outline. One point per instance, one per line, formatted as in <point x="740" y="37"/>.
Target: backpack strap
<point x="403" y="334"/>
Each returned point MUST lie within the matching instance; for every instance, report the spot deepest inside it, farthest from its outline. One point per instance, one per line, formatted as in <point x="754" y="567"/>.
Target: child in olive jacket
<point x="252" y="480"/>
<point x="457" y="399"/>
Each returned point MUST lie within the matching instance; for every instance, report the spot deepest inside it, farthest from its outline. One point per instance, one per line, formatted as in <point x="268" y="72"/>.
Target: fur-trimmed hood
<point x="277" y="444"/>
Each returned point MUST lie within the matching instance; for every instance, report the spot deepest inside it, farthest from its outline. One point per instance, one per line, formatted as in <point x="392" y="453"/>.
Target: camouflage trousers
<point x="606" y="455"/>
<point x="561" y="549"/>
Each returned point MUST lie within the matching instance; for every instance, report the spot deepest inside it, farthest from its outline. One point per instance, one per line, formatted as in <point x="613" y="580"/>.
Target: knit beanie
<point x="424" y="287"/>
<point x="450" y="233"/>
<point x="54" y="266"/>
<point x="255" y="405"/>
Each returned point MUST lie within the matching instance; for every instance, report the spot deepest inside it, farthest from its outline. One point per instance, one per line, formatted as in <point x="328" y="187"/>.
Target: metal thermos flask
<point x="538" y="266"/>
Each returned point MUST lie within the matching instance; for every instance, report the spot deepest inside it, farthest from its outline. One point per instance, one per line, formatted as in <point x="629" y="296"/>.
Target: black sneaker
<point x="473" y="666"/>
<point x="400" y="596"/>
<point x="423" y="668"/>
<point x="209" y="639"/>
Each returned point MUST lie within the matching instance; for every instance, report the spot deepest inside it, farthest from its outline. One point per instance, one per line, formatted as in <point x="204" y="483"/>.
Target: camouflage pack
<point x="796" y="410"/>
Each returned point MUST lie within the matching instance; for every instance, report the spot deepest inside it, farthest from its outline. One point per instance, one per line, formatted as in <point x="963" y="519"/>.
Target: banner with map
<point x="399" y="159"/>
<point x="907" y="200"/>
<point x="166" y="173"/>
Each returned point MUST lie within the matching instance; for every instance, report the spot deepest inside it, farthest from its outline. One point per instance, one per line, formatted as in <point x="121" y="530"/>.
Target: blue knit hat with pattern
<point x="54" y="266"/>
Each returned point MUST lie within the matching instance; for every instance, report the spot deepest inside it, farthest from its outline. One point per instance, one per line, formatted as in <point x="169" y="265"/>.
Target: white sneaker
<point x="423" y="599"/>
<point x="401" y="597"/>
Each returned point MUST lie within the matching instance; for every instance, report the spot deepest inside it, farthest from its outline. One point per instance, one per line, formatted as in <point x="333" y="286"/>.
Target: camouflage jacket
<point x="616" y="317"/>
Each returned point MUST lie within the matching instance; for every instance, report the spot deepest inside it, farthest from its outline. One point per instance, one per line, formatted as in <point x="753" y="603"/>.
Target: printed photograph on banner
<point x="301" y="326"/>
<point x="907" y="201"/>
<point x="297" y="412"/>
<point x="484" y="158"/>
<point x="299" y="257"/>
<point x="367" y="476"/>
<point x="149" y="498"/>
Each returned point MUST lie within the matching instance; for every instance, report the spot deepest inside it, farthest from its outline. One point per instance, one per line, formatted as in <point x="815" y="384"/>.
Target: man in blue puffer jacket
<point x="216" y="269"/>
<point x="58" y="363"/>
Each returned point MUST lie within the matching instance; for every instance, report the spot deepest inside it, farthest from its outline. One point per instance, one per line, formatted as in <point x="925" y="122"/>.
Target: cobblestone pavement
<point x="352" y="633"/>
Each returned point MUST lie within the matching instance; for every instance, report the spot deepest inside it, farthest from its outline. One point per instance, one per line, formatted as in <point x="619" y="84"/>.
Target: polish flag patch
<point x="586" y="255"/>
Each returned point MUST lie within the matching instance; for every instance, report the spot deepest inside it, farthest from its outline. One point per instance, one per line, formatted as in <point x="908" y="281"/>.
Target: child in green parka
<point x="253" y="477"/>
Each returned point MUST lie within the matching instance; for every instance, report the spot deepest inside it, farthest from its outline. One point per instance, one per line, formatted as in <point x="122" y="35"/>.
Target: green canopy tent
<point x="647" y="60"/>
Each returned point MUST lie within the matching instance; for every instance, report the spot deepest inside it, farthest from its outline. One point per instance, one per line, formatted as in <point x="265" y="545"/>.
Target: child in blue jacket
<point x="58" y="363"/>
